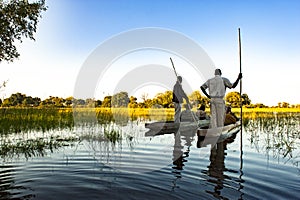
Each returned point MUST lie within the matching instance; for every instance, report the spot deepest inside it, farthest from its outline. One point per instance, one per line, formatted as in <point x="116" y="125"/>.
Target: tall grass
<point x="280" y="124"/>
<point x="16" y="120"/>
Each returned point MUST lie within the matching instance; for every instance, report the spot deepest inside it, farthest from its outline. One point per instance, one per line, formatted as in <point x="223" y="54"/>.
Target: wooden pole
<point x="240" y="58"/>
<point x="241" y="105"/>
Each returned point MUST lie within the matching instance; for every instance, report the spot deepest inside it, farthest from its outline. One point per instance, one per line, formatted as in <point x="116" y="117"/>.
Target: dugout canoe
<point x="221" y="132"/>
<point x="171" y="125"/>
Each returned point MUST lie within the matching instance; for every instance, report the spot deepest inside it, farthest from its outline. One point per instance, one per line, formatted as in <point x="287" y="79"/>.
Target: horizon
<point x="139" y="99"/>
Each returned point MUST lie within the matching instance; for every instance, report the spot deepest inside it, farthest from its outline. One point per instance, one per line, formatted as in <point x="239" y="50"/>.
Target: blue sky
<point x="70" y="30"/>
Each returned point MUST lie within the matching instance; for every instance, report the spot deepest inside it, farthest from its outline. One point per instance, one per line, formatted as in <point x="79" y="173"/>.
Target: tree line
<point x="122" y="99"/>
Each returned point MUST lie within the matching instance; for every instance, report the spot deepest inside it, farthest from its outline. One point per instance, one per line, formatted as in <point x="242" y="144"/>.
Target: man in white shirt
<point x="217" y="88"/>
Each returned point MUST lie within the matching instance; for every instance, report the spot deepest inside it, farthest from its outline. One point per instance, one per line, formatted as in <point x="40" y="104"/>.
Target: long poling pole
<point x="241" y="100"/>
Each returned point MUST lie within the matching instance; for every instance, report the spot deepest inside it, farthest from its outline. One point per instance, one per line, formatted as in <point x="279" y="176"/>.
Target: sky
<point x="70" y="31"/>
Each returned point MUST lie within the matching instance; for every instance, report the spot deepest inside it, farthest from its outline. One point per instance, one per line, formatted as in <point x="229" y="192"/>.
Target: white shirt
<point x="217" y="86"/>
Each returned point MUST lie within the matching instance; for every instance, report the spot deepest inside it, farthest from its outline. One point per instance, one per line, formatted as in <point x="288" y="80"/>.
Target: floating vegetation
<point x="33" y="147"/>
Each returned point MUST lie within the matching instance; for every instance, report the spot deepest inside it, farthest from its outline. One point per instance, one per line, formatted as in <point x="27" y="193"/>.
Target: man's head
<point x="218" y="72"/>
<point x="179" y="78"/>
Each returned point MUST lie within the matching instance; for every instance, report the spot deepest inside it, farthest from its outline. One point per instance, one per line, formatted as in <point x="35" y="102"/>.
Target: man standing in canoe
<point x="178" y="96"/>
<point x="217" y="88"/>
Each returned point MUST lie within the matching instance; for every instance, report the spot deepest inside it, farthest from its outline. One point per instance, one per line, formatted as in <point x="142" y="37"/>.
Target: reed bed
<point x="16" y="120"/>
<point x="281" y="125"/>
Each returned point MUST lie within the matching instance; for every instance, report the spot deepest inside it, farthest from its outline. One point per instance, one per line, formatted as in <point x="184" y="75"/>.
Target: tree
<point x="69" y="101"/>
<point x="53" y="102"/>
<point x="18" y="18"/>
<point x="196" y="99"/>
<point x="245" y="99"/>
<point x="148" y="103"/>
<point x="106" y="102"/>
<point x="90" y="102"/>
<point x="14" y="100"/>
<point x="132" y="102"/>
<point x="164" y="99"/>
<point x="32" y="102"/>
<point x="233" y="98"/>
<point x="283" y="105"/>
<point x="120" y="99"/>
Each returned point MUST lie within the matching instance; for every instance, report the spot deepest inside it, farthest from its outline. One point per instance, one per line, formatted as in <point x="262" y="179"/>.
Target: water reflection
<point x="181" y="152"/>
<point x="11" y="148"/>
<point x="277" y="136"/>
<point x="216" y="173"/>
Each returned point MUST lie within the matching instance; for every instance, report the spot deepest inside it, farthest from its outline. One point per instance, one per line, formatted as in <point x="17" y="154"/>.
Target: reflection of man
<point x="187" y="115"/>
<point x="217" y="88"/>
<point x="178" y="95"/>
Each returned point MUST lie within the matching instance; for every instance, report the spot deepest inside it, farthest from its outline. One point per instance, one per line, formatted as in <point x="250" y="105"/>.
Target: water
<point x="167" y="166"/>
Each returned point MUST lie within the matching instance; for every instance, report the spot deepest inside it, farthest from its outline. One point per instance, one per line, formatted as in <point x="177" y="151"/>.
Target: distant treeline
<point x="122" y="99"/>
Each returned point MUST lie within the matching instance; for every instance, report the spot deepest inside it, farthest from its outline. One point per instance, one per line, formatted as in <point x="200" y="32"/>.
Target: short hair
<point x="218" y="72"/>
<point x="179" y="78"/>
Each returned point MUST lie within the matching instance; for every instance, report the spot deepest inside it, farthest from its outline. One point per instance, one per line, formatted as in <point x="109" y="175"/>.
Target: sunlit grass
<point x="15" y="120"/>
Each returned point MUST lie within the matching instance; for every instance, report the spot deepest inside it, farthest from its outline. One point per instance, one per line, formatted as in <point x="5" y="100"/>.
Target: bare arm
<point x="204" y="92"/>
<point x="237" y="80"/>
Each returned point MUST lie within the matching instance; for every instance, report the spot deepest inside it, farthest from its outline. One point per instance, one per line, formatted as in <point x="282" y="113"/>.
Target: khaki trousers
<point x="217" y="112"/>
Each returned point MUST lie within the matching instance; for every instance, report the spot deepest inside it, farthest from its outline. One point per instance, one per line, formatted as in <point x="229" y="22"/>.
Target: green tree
<point x="90" y="102"/>
<point x="195" y="98"/>
<point x="53" y="102"/>
<point x="78" y="102"/>
<point x="246" y="100"/>
<point x="283" y="105"/>
<point x="259" y="105"/>
<point x="32" y="102"/>
<point x="233" y="99"/>
<point x="18" y="18"/>
<point x="148" y="103"/>
<point x="164" y="99"/>
<point x="98" y="103"/>
<point x="106" y="102"/>
<point x="132" y="102"/>
<point x="69" y="101"/>
<point x="14" y="100"/>
<point x="120" y="99"/>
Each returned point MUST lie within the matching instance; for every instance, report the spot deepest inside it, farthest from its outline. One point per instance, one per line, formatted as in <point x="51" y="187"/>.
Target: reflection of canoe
<point x="221" y="132"/>
<point x="172" y="126"/>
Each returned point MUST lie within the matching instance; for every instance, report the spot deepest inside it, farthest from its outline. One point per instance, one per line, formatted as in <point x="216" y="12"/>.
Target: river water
<point x="264" y="164"/>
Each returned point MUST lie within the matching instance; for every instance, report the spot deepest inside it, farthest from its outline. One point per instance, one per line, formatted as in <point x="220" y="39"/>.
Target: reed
<point x="16" y="120"/>
<point x="33" y="147"/>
